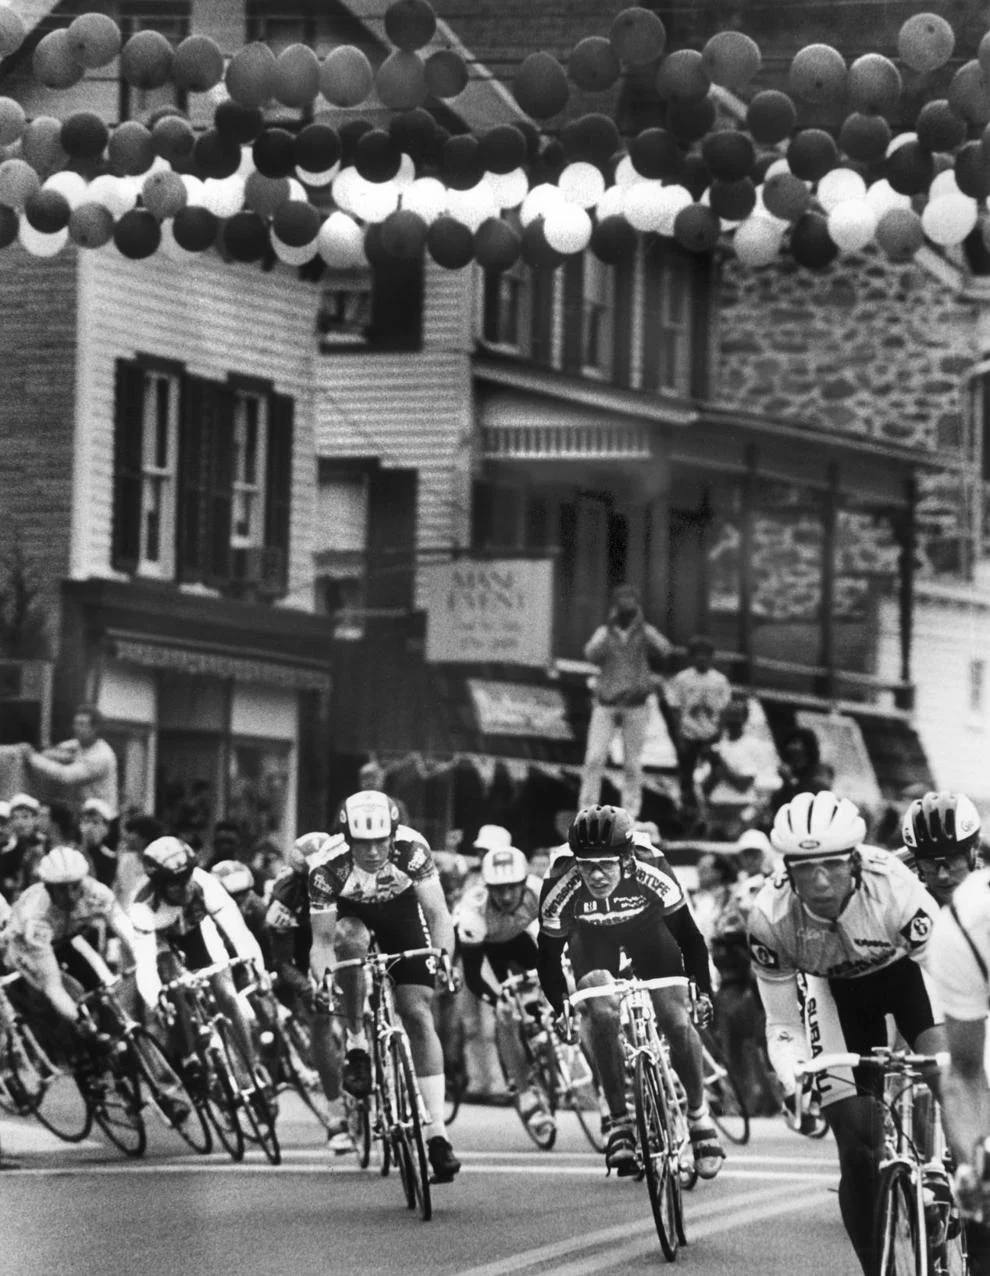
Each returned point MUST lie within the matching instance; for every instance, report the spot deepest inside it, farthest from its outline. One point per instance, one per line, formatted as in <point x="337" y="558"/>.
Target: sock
<point x="433" y="1089"/>
<point x="699" y="1114"/>
<point x="357" y="1040"/>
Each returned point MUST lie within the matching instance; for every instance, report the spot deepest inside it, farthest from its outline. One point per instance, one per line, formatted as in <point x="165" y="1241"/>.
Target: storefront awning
<point x="216" y="663"/>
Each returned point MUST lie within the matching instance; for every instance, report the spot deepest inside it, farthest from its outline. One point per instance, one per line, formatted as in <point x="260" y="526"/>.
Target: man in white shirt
<point x="696" y="696"/>
<point x="86" y="763"/>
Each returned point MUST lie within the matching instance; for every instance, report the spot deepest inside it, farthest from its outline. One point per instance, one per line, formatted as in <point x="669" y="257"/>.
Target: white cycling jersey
<point x="960" y="949"/>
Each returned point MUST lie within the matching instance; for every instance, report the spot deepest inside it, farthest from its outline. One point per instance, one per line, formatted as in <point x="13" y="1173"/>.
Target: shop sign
<point x="513" y="708"/>
<point x="493" y="610"/>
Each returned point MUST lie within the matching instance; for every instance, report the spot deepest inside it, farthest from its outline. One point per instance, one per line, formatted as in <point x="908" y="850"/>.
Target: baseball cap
<point x="98" y="807"/>
<point x="754" y="840"/>
<point x="4" y="810"/>
<point x="492" y="837"/>
<point x="26" y="801"/>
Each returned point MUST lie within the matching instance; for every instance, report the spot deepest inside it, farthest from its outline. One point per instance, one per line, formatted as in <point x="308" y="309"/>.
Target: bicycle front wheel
<point x="658" y="1155"/>
<point x="25" y="1070"/>
<point x="897" y="1240"/>
<point x="408" y="1143"/>
<point x="578" y="1087"/>
<point x="220" y="1094"/>
<point x="114" y="1094"/>
<point x="727" y="1106"/>
<point x="258" y="1123"/>
<point x="295" y="1054"/>
<point x="168" y="1094"/>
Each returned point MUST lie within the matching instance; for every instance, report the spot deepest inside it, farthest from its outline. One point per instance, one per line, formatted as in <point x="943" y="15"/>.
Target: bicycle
<point x="727" y="1106"/>
<point x="393" y="1115"/>
<point x="127" y="1072"/>
<point x="290" y="1039"/>
<point x="225" y="1088"/>
<point x="664" y="1140"/>
<point x="560" y="1071"/>
<point x="26" y="1071"/>
<point x="917" y="1225"/>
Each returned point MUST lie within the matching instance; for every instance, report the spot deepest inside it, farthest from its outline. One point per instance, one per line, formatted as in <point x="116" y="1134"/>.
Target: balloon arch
<point x="345" y="195"/>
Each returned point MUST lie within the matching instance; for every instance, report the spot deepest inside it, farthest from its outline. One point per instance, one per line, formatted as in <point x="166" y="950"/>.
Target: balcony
<point x="577" y="441"/>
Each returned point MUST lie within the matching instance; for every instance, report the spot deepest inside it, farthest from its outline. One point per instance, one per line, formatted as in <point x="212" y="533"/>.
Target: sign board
<point x="492" y="610"/>
<point x="843" y="749"/>
<point x="513" y="708"/>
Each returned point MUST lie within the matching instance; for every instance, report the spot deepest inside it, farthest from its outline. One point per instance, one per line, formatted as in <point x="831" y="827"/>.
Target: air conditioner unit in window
<point x="262" y="568"/>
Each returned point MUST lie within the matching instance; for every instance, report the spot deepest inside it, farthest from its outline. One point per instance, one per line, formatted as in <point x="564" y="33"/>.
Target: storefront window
<point x="188" y="785"/>
<point x="130" y="744"/>
<point x="258" y="785"/>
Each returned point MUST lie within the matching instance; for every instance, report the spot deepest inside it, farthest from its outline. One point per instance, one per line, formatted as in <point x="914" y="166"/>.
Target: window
<point x="250" y="453"/>
<point x="507" y="309"/>
<point x="669" y="300"/>
<point x="375" y="310"/>
<point x="596" y="317"/>
<point x="160" y="432"/>
<point x="202" y="480"/>
<point x="977" y="681"/>
<point x="341" y="550"/>
<point x="344" y="314"/>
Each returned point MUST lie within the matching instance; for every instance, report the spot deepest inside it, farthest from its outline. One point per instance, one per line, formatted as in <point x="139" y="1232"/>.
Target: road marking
<point x="745" y="1207"/>
<point x="600" y="1262"/>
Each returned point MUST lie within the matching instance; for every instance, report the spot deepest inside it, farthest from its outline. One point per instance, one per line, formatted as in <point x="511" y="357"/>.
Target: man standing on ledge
<point x="86" y="762"/>
<point x="621" y="649"/>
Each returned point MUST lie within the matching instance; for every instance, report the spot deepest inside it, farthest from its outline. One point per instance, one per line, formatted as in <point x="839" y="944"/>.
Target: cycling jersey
<point x="206" y="906"/>
<point x="648" y="886"/>
<point x="478" y="922"/>
<point x="35" y="926"/>
<point x="961" y="949"/>
<point x="889" y="915"/>
<point x="338" y="878"/>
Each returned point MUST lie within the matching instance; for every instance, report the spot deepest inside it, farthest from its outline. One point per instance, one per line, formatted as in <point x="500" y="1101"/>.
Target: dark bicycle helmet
<point x="941" y="824"/>
<point x="600" y="831"/>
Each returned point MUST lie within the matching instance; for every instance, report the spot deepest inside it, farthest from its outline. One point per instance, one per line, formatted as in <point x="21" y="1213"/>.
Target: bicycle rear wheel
<point x="578" y="1088"/>
<point x="543" y="1137"/>
<point x="897" y="1240"/>
<point x="658" y="1155"/>
<point x="168" y="1094"/>
<point x="727" y="1106"/>
<point x="258" y="1111"/>
<point x="25" y="1070"/>
<point x="295" y="1061"/>
<point x="409" y="1146"/>
<point x="358" y="1116"/>
<point x="114" y="1094"/>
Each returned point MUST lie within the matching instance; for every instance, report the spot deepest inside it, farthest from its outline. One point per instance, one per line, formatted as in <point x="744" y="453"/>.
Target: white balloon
<point x="948" y="219"/>
<point x="882" y="197"/>
<point x="373" y="201"/>
<point x="625" y="172"/>
<point x="195" y="191"/>
<point x="426" y="196"/>
<point x="344" y="187"/>
<point x="473" y="206"/>
<point x="674" y="198"/>
<point x="296" y="190"/>
<point x="899" y="141"/>
<point x="778" y="166"/>
<point x="341" y="242"/>
<point x="852" y="224"/>
<point x="839" y="186"/>
<point x="944" y="183"/>
<point x="41" y="245"/>
<point x="567" y="228"/>
<point x="758" y="239"/>
<point x="540" y="200"/>
<point x="407" y="171"/>
<point x="223" y="196"/>
<point x="509" y="189"/>
<point x="611" y="204"/>
<point x="114" y="193"/>
<point x="582" y="184"/>
<point x="71" y="186"/>
<point x="642" y="204"/>
<point x="317" y="180"/>
<point x="292" y="254"/>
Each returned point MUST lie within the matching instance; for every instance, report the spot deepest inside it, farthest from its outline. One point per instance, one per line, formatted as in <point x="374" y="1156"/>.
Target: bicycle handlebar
<point x="622" y="987"/>
<point x="881" y="1057"/>
<point x="381" y="961"/>
<point x="193" y="978"/>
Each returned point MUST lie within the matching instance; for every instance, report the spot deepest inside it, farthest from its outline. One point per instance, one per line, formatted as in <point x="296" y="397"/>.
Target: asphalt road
<point x="81" y="1210"/>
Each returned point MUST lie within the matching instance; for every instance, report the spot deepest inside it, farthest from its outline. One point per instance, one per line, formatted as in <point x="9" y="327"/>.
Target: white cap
<point x="754" y="840"/>
<point x="25" y="800"/>
<point x="492" y="837"/>
<point x="98" y="807"/>
<point x="4" y="810"/>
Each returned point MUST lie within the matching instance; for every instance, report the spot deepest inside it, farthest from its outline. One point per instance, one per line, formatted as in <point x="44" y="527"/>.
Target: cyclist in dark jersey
<point x="613" y="894"/>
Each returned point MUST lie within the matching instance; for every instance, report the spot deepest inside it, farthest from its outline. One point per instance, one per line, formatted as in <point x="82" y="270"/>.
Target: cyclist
<point x="238" y="881"/>
<point x="181" y="917"/>
<point x="497" y="924"/>
<point x="44" y="942"/>
<point x="942" y="833"/>
<point x="291" y="939"/>
<point x="611" y="892"/>
<point x="836" y="939"/>
<point x="377" y="878"/>
<point x="961" y="974"/>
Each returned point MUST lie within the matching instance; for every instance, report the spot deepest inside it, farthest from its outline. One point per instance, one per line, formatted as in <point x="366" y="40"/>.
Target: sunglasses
<point x="602" y="863"/>
<point x="830" y="863"/>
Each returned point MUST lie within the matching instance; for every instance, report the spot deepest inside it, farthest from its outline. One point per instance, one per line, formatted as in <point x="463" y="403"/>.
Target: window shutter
<point x="278" y="482"/>
<point x="397" y="305"/>
<point x="128" y="451"/>
<point x="574" y="314"/>
<point x="542" y="329"/>
<point x="219" y="441"/>
<point x="391" y="538"/>
<point x="653" y="258"/>
<point x="622" y="328"/>
<point x="190" y="509"/>
<point x="702" y="276"/>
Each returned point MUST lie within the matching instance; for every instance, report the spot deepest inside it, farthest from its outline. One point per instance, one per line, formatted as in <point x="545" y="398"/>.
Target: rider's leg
<point x="600" y="1030"/>
<point x="857" y="1124"/>
<point x="351" y="942"/>
<point x="414" y="1002"/>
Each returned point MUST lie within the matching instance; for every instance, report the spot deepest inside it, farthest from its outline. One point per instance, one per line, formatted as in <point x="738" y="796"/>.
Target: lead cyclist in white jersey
<point x="836" y="941"/>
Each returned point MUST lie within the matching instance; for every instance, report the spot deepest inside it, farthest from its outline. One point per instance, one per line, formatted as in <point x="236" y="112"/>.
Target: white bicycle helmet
<point x="368" y="816"/>
<point x="62" y="866"/>
<point x="815" y="824"/>
<point x="233" y="875"/>
<point x="168" y="857"/>
<point x="305" y="846"/>
<point x="941" y="824"/>
<point x="506" y="866"/>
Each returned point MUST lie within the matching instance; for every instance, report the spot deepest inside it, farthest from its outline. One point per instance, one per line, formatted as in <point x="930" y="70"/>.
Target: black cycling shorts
<point x="396" y="924"/>
<point x="512" y="956"/>
<point x="652" y="950"/>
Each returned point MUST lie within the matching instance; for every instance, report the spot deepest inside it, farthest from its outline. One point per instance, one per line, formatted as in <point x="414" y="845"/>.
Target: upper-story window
<point x="597" y="314"/>
<point x="508" y="309"/>
<point x="344" y="314"/>
<point x="372" y="309"/>
<point x="250" y="452"/>
<point x="669" y="300"/>
<point x="202" y="480"/>
<point x="160" y="445"/>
